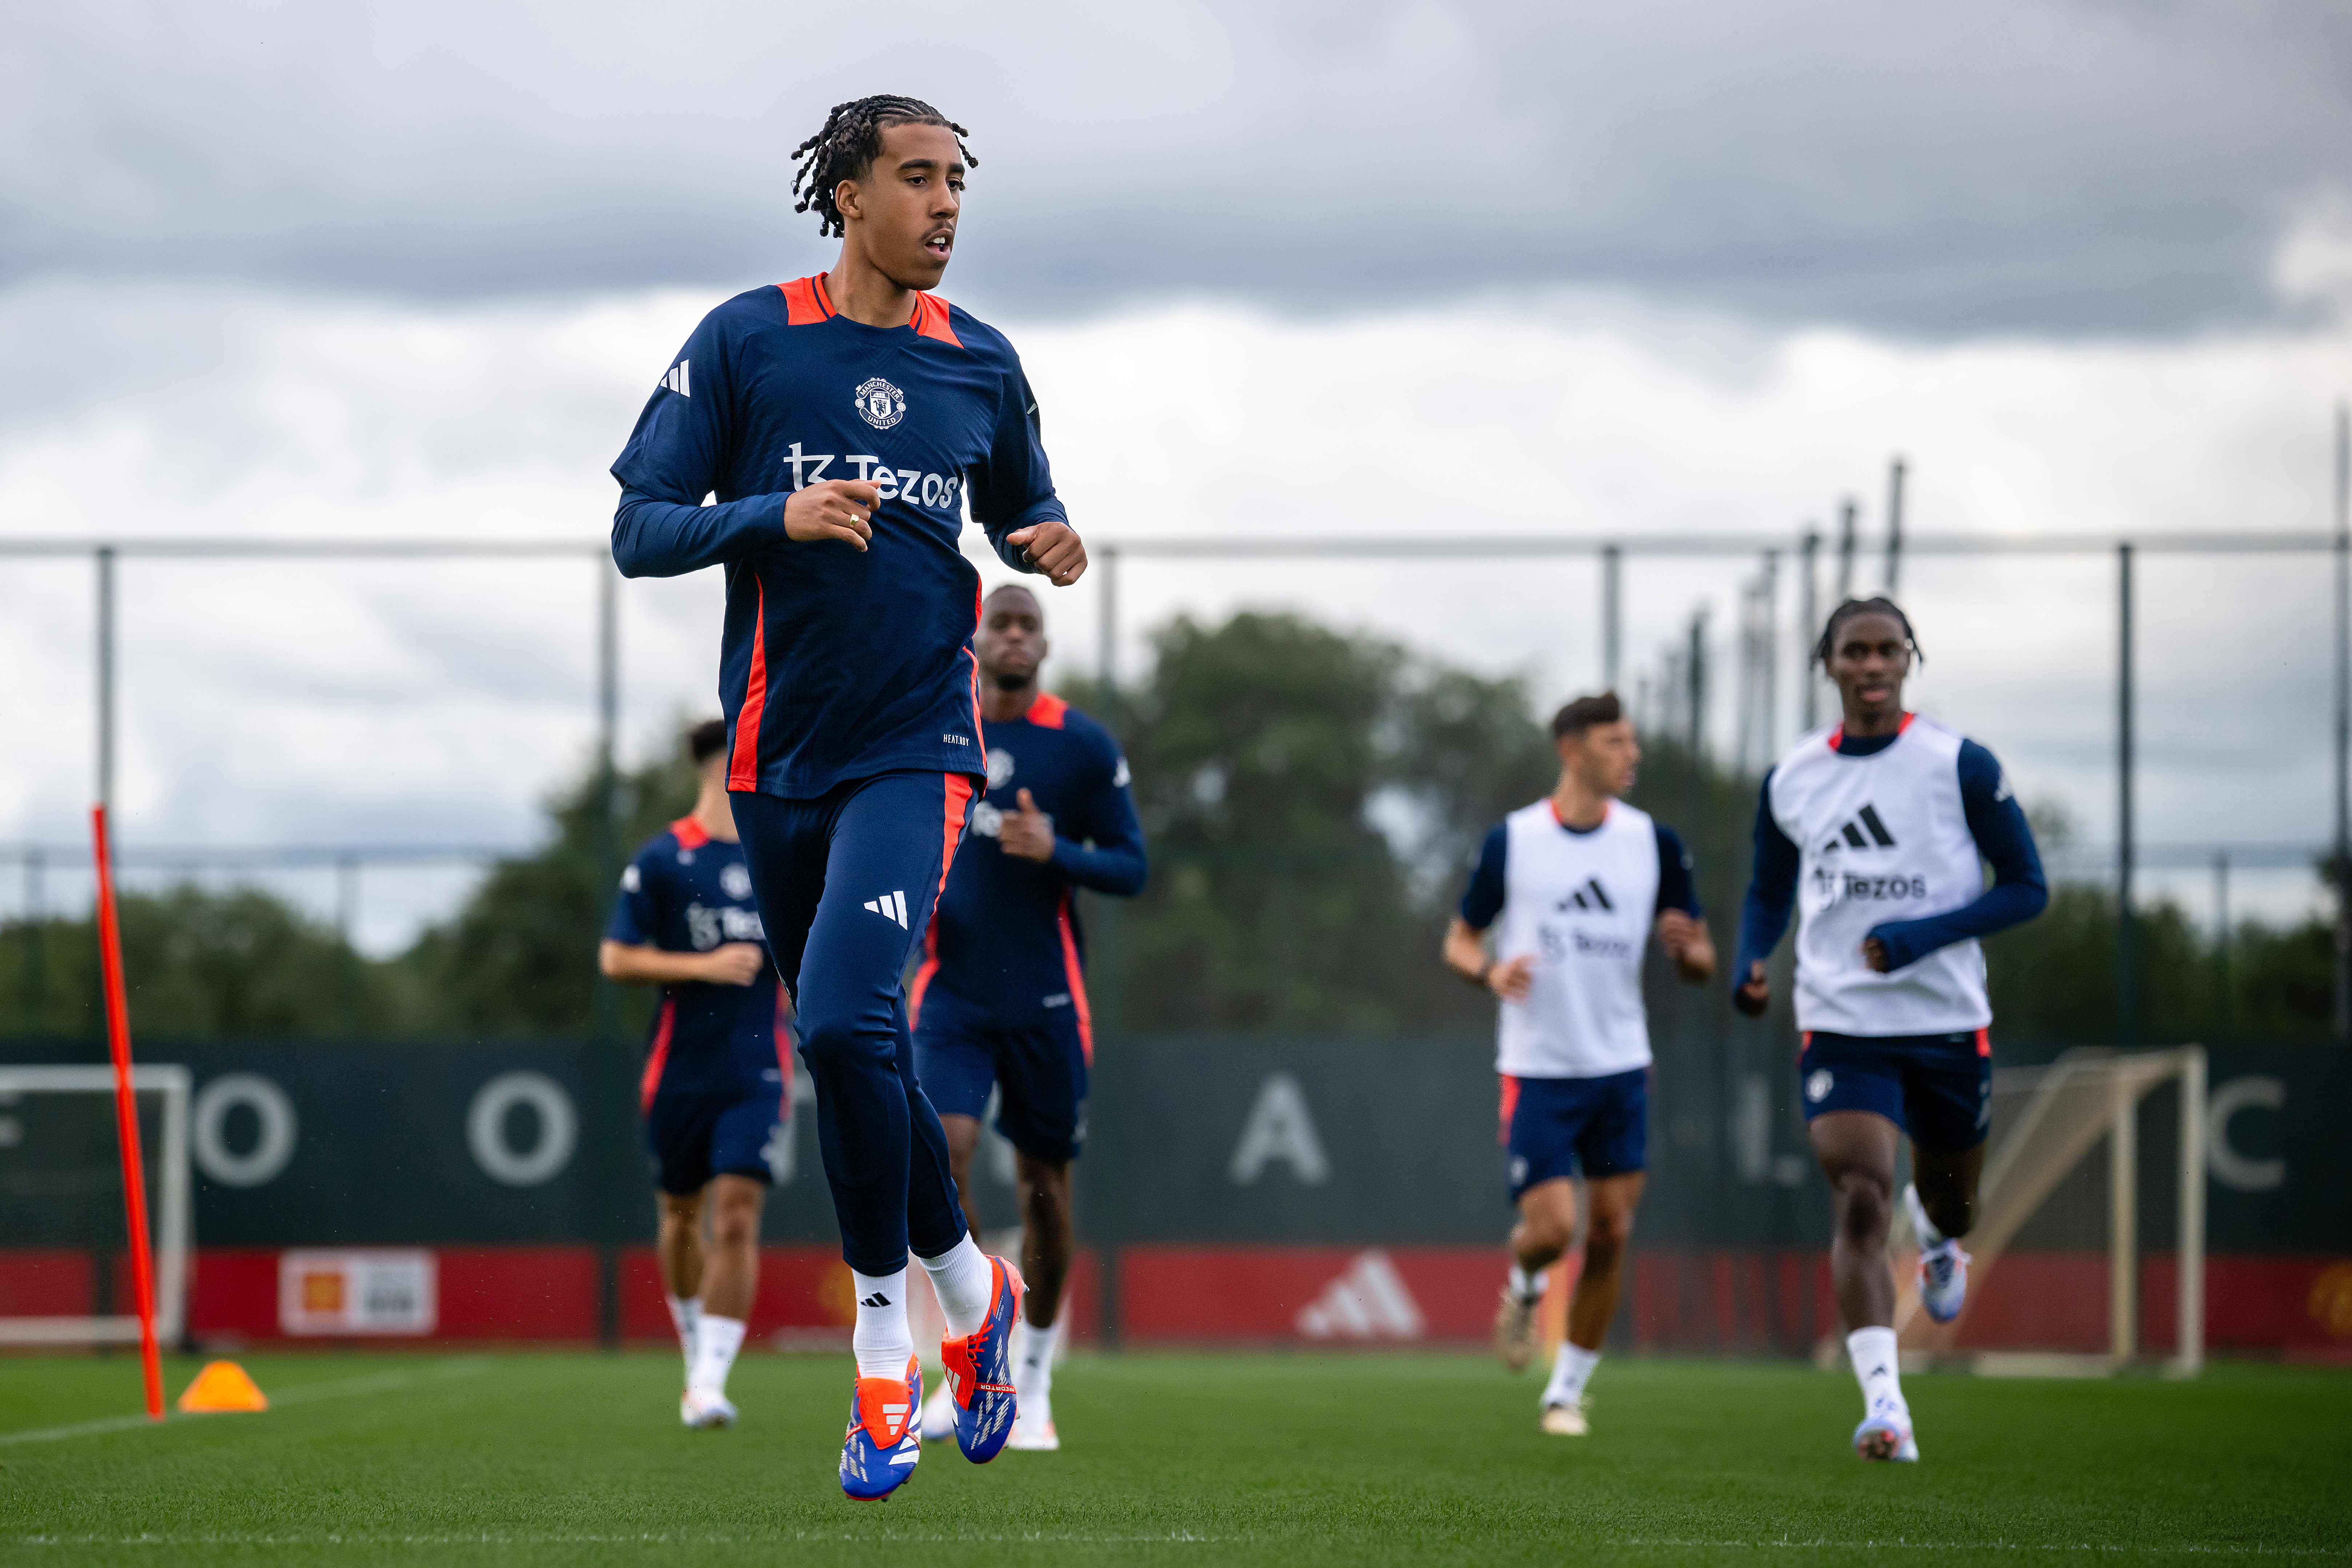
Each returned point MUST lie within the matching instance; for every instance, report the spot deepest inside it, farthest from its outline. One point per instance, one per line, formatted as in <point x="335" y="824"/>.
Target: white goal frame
<point x="2041" y="1146"/>
<point x="170" y="1180"/>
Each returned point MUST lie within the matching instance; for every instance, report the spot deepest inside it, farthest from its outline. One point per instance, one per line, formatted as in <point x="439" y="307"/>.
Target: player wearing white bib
<point x="1573" y="888"/>
<point x="1878" y="832"/>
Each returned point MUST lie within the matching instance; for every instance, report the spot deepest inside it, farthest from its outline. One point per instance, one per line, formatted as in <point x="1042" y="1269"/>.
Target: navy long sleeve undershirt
<point x="656" y="538"/>
<point x="1115" y="868"/>
<point x="1995" y="820"/>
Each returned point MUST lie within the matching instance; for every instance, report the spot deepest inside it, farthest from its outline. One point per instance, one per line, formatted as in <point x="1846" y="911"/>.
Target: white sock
<point x="963" y="1278"/>
<point x="1878" y="1370"/>
<point x="716" y="1340"/>
<point x="685" y="1313"/>
<point x="1570" y="1374"/>
<point x="882" y="1340"/>
<point x="1526" y="1287"/>
<point x="1032" y="1363"/>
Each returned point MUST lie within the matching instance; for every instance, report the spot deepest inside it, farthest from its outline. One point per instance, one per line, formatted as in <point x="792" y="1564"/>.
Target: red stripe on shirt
<point x="659" y="1058"/>
<point x="743" y="771"/>
<point x="1077" y="977"/>
<point x="803" y="305"/>
<point x="689" y="832"/>
<point x="1048" y="712"/>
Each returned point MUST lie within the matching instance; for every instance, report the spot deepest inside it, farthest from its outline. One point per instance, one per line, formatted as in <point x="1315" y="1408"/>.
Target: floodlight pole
<point x="104" y="557"/>
<point x="1808" y="613"/>
<point x="1613" y="625"/>
<point x="2127" y="954"/>
<point x="1107" y="654"/>
<point x="1845" y="550"/>
<point x="1894" y="525"/>
<point x="610" y="1089"/>
<point x="2343" y="723"/>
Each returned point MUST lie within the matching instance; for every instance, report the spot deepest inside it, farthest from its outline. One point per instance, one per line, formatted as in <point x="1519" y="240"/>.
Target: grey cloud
<point x="2065" y="164"/>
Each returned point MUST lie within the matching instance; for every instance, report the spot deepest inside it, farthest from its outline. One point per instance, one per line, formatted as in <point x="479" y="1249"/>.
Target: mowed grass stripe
<point x="348" y="1388"/>
<point x="559" y="1457"/>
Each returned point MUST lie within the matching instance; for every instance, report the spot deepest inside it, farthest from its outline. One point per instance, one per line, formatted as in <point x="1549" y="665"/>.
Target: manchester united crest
<point x="881" y="404"/>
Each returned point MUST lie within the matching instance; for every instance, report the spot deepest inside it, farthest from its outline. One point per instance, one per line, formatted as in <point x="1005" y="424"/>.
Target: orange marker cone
<point x="223" y="1385"/>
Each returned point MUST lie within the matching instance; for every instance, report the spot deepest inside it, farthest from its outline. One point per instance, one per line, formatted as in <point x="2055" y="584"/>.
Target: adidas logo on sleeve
<point x="892" y="906"/>
<point x="679" y="380"/>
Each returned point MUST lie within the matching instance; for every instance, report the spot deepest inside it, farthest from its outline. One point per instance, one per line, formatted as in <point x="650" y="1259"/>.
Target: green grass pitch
<point x="1289" y="1459"/>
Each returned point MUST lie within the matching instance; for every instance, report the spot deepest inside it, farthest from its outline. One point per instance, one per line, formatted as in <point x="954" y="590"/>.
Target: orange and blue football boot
<point x="883" y="1443"/>
<point x="980" y="1368"/>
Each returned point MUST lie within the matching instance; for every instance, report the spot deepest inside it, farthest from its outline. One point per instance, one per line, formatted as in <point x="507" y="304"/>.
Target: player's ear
<point x="845" y="200"/>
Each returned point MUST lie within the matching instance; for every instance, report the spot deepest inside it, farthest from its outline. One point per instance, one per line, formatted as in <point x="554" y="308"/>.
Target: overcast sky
<point x="1684" y="267"/>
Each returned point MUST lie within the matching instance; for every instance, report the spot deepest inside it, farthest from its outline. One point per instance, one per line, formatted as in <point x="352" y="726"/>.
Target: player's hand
<point x="832" y="508"/>
<point x="1875" y="953"/>
<point x="1679" y="933"/>
<point x="736" y="964"/>
<point x="1513" y="979"/>
<point x="1055" y="549"/>
<point x="1027" y="832"/>
<point x="1754" y="994"/>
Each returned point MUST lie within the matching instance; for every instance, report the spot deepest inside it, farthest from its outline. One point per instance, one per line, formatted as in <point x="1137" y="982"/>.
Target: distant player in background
<point x="1879" y="829"/>
<point x="718" y="1086"/>
<point x="1579" y="882"/>
<point x="1000" y="999"/>
<point x="841" y="423"/>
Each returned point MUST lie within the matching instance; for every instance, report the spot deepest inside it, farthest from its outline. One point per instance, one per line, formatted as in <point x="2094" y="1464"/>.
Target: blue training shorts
<point x="1041" y="1067"/>
<point x="1557" y="1127"/>
<point x="1937" y="1088"/>
<point x="694" y="1137"/>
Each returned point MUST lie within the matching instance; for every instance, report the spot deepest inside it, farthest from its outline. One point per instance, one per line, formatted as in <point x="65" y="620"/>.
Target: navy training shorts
<point x="694" y="1137"/>
<point x="1937" y="1088"/>
<point x="1555" y="1127"/>
<point x="1041" y="1067"/>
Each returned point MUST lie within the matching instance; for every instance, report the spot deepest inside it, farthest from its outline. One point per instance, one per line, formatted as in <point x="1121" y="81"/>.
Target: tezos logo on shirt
<point x="1000" y="766"/>
<point x="734" y="880"/>
<point x="881" y="404"/>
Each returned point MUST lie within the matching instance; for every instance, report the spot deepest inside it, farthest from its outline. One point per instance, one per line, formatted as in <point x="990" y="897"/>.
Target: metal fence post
<point x="1894" y="525"/>
<point x="104" y="557"/>
<point x="1612" y="626"/>
<point x="2343" y="723"/>
<point x="611" y="1117"/>
<point x="2126" y="945"/>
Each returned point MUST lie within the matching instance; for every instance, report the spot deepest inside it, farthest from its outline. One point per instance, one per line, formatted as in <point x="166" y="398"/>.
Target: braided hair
<point x="849" y="142"/>
<point x="1853" y="607"/>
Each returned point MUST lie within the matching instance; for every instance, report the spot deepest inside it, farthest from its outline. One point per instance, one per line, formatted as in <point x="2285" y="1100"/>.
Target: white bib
<point x="1882" y="837"/>
<point x="1583" y="904"/>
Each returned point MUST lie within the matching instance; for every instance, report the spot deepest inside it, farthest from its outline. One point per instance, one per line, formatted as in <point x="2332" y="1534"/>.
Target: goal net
<point x="2066" y="1278"/>
<point x="65" y="1252"/>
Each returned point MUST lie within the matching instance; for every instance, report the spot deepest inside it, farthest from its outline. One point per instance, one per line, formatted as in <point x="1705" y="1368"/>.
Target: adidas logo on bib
<point x="1592" y="896"/>
<point x="1864" y="821"/>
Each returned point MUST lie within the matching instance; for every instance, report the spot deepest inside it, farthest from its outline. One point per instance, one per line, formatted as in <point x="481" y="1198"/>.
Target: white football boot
<point x="1943" y="1268"/>
<point x="1514" y="1328"/>
<point x="1886" y="1433"/>
<point x="1032" y="1427"/>
<point x="1565" y="1420"/>
<point x="704" y="1412"/>
<point x="938" y="1414"/>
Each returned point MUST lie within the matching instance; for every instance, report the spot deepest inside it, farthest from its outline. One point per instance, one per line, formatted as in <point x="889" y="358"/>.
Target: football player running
<point x="841" y="423"/>
<point x="1574" y="886"/>
<point x="1876" y="832"/>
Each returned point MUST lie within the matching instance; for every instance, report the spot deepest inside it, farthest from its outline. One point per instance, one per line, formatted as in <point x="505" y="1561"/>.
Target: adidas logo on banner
<point x="1592" y="896"/>
<point x="678" y="380"/>
<point x="1864" y="821"/>
<point x="1370" y="1301"/>
<point x="892" y="905"/>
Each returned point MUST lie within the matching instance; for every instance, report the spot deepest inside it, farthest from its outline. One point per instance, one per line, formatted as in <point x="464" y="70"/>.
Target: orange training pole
<point x="126" y="1115"/>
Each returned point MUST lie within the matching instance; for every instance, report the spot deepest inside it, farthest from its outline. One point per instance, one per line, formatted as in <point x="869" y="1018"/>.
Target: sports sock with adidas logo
<point x="684" y="1314"/>
<point x="882" y="1340"/>
<point x="1880" y="1372"/>
<point x="965" y="1281"/>
<point x="716" y="1340"/>
<point x="1570" y="1372"/>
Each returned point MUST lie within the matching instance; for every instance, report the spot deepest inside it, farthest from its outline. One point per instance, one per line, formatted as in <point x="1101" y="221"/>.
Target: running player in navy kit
<point x="841" y="425"/>
<point x="1000" y="999"/>
<point x="1574" y="886"/>
<point x="1880" y="830"/>
<point x="717" y="1086"/>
